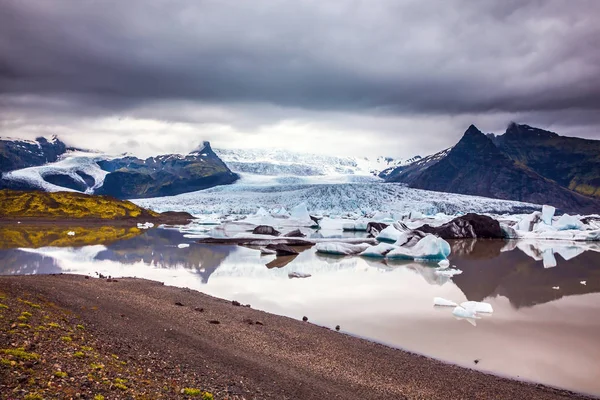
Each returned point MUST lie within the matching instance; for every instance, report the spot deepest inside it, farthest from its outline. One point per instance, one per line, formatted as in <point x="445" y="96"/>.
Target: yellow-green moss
<point x="3" y="306"/>
<point x="192" y="392"/>
<point x="95" y="366"/>
<point x="98" y="397"/>
<point x="66" y="339"/>
<point x="33" y="396"/>
<point x="80" y="327"/>
<point x="60" y="374"/>
<point x="79" y="354"/>
<point x="20" y="354"/>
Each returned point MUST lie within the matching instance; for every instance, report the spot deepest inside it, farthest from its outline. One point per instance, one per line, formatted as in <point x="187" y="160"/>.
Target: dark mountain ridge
<point x="477" y="165"/>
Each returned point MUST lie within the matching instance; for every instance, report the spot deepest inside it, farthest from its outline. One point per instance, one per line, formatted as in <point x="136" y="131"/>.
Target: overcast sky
<point x="376" y="77"/>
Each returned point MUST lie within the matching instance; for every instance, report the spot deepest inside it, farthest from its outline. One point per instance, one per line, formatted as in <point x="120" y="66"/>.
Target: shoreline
<point x="279" y="358"/>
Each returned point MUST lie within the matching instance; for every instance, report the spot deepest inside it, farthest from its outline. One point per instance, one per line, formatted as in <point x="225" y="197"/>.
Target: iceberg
<point x="389" y="234"/>
<point x="341" y="249"/>
<point x="462" y="312"/>
<point x="183" y="245"/>
<point x="379" y="250"/>
<point x="429" y="248"/>
<point x="146" y="225"/>
<point x="547" y="214"/>
<point x="71" y="233"/>
<point x="441" y="302"/>
<point x="528" y="222"/>
<point x="359" y="225"/>
<point x="444" y="264"/>
<point x="477" y="306"/>
<point x="567" y="222"/>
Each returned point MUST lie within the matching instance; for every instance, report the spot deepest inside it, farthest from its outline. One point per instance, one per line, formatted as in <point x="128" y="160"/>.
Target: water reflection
<point x="536" y="332"/>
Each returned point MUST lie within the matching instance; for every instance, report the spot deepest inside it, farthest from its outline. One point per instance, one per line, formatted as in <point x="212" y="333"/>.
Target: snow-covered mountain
<point x="276" y="162"/>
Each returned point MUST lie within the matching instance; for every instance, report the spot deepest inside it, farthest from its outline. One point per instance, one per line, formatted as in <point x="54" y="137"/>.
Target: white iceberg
<point x="389" y="234"/>
<point x="341" y="249"/>
<point x="429" y="248"/>
<point x="555" y="287"/>
<point x="583" y="282"/>
<point x="441" y="302"/>
<point x="183" y="245"/>
<point x="477" y="306"/>
<point x="547" y="214"/>
<point x="379" y="250"/>
<point x="444" y="264"/>
<point x="359" y="225"/>
<point x="568" y="222"/>
<point x="71" y="233"/>
<point x="462" y="312"/>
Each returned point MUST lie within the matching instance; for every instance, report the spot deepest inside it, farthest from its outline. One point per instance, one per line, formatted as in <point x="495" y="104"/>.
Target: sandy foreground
<point x="156" y="341"/>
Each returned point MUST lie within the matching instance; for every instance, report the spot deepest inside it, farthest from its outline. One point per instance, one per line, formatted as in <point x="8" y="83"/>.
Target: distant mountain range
<point x="524" y="164"/>
<point x="30" y="165"/>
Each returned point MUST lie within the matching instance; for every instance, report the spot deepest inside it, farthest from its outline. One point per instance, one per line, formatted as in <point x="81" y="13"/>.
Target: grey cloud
<point x="486" y="60"/>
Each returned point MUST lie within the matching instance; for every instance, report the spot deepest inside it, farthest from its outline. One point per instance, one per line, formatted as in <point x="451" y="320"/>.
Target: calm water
<point x="536" y="332"/>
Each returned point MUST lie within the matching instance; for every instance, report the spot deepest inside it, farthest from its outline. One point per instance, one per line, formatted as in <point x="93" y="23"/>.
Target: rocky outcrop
<point x="17" y="154"/>
<point x="469" y="226"/>
<point x="165" y="175"/>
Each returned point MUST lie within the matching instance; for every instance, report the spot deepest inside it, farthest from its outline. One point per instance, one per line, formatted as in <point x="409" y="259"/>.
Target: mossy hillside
<point x="34" y="204"/>
<point x="34" y="236"/>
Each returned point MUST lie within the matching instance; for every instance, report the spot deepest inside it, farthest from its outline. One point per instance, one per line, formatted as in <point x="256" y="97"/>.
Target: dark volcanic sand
<point x="281" y="359"/>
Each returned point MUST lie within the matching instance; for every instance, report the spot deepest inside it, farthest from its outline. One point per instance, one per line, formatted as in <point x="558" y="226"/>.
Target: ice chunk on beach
<point x="441" y="302"/>
<point x="389" y="234"/>
<point x="462" y="312"/>
<point x="568" y="222"/>
<point x="547" y="214"/>
<point x="341" y="249"/>
<point x="477" y="306"/>
<point x="430" y="248"/>
<point x="183" y="245"/>
<point x="444" y="264"/>
<point x="379" y="250"/>
<point x="71" y="233"/>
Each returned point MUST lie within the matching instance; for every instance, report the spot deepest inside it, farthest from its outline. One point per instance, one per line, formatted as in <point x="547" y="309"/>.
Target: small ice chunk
<point x="555" y="287"/>
<point x="183" y="245"/>
<point x="477" y="306"/>
<point x="440" y="301"/>
<point x="444" y="264"/>
<point x="568" y="222"/>
<point x="429" y="248"/>
<point x="294" y="274"/>
<point x="462" y="312"/>
<point x="547" y="214"/>
<point x="145" y="225"/>
<point x="71" y="233"/>
<point x="379" y="250"/>
<point x="300" y="212"/>
<point x="583" y="282"/>
<point x="265" y="251"/>
<point x="341" y="249"/>
<point x="448" y="272"/>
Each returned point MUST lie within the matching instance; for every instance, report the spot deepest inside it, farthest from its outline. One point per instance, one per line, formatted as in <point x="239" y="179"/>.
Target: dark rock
<point x="295" y="233"/>
<point x="305" y="318"/>
<point x="373" y="228"/>
<point x="259" y="323"/>
<point x="248" y="321"/>
<point x="315" y="219"/>
<point x="469" y="226"/>
<point x="17" y="154"/>
<point x="337" y="328"/>
<point x="282" y="249"/>
<point x="214" y="322"/>
<point x="265" y="230"/>
<point x="179" y="304"/>
<point x="199" y="309"/>
<point x="476" y="361"/>
<point x="236" y="303"/>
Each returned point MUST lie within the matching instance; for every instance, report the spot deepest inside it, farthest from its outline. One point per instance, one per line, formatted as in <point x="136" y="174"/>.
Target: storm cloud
<point x="398" y="77"/>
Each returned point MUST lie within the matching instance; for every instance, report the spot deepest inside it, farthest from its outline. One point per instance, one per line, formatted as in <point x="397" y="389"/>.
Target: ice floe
<point x="441" y="302"/>
<point x="146" y="225"/>
<point x="183" y="245"/>
<point x="477" y="306"/>
<point x="71" y="233"/>
<point x="342" y="249"/>
<point x="429" y="248"/>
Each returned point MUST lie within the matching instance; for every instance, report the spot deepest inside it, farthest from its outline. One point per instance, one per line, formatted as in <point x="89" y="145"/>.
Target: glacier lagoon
<point x="544" y="327"/>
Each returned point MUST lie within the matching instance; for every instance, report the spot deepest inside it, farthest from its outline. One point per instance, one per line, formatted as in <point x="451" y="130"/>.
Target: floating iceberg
<point x="429" y="248"/>
<point x="444" y="264"/>
<point x="359" y="225"/>
<point x="71" y="233"/>
<point x="547" y="214"/>
<point x="477" y="306"/>
<point x="568" y="222"/>
<point x="183" y="245"/>
<point x="462" y="312"/>
<point x="341" y="249"/>
<point x="380" y="250"/>
<point x="389" y="234"/>
<point x="441" y="302"/>
<point x="146" y="225"/>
